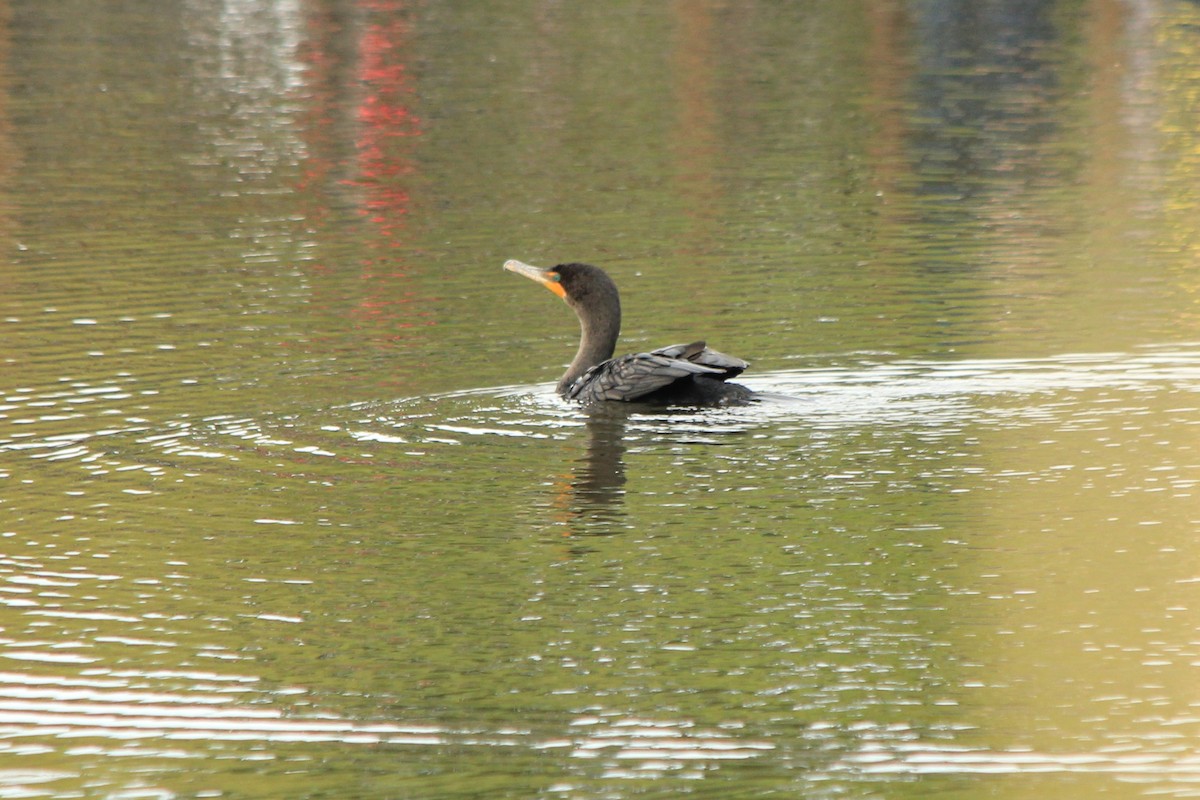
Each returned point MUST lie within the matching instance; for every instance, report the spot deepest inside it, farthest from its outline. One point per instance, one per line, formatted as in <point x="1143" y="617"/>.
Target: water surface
<point x="289" y="508"/>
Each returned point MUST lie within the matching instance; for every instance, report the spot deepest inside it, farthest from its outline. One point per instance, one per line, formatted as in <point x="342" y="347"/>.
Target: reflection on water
<point x="598" y="483"/>
<point x="816" y="625"/>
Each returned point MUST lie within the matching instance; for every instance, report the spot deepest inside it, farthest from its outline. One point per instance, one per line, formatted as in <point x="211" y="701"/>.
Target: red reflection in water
<point x="384" y="114"/>
<point x="386" y="121"/>
<point x="360" y="127"/>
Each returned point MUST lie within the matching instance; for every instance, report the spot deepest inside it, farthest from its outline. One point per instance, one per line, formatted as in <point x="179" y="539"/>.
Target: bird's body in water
<point x="682" y="374"/>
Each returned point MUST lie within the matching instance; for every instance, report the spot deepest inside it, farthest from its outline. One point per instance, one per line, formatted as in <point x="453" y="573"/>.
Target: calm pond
<point x="288" y="505"/>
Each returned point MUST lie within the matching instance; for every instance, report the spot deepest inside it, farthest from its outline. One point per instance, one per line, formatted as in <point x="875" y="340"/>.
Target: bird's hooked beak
<point x="546" y="277"/>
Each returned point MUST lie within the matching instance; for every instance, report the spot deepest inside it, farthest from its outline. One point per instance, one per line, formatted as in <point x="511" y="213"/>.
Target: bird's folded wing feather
<point x="698" y="353"/>
<point x="633" y="376"/>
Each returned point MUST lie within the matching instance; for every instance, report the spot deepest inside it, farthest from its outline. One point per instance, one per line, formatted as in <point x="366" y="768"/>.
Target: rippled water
<point x="288" y="507"/>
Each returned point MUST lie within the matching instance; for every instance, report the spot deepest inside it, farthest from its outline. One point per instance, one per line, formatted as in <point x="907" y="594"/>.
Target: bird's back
<point x="685" y="374"/>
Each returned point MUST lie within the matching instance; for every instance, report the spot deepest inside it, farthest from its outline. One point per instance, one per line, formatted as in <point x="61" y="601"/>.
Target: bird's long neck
<point x="597" y="341"/>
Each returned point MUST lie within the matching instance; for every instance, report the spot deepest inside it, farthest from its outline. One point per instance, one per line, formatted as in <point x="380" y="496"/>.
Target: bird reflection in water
<point x="593" y="498"/>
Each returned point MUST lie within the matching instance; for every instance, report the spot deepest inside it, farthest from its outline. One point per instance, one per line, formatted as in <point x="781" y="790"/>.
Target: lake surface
<point x="288" y="506"/>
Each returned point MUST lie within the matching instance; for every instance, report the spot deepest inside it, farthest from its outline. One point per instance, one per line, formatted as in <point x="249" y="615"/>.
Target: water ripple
<point x="85" y="424"/>
<point x="923" y="758"/>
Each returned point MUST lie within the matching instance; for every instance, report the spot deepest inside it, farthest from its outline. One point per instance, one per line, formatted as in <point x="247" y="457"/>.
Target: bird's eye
<point x="554" y="276"/>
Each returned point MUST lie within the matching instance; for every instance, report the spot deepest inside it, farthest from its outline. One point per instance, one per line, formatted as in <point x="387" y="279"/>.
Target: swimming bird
<point x="681" y="374"/>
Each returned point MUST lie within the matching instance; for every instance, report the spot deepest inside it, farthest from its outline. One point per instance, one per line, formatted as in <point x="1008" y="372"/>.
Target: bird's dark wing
<point x="633" y="376"/>
<point x="698" y="353"/>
